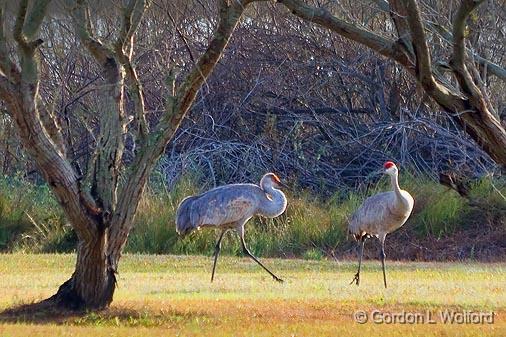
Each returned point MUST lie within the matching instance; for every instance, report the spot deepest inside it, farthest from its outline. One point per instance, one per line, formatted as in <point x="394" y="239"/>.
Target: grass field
<point x="172" y="295"/>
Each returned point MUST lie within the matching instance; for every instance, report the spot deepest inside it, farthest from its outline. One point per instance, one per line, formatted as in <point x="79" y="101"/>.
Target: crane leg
<point x="383" y="256"/>
<point x="248" y="253"/>
<point x="356" y="279"/>
<point x="217" y="252"/>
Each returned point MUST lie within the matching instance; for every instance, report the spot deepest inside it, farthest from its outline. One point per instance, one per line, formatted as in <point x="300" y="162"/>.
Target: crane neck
<point x="275" y="202"/>
<point x="394" y="179"/>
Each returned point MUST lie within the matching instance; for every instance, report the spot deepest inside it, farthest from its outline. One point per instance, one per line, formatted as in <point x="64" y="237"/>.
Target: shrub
<point x="31" y="220"/>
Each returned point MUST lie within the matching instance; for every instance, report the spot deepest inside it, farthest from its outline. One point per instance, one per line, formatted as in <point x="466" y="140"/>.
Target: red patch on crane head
<point x="388" y="165"/>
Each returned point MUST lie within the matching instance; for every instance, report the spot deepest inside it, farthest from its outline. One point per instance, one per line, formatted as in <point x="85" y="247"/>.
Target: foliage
<point x="31" y="219"/>
<point x="312" y="226"/>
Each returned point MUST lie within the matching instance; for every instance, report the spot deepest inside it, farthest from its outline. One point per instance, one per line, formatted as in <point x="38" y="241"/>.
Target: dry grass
<point x="172" y="295"/>
<point x="443" y="226"/>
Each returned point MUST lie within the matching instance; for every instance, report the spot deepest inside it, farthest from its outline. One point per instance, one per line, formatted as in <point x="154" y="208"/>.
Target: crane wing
<point x="381" y="213"/>
<point x="372" y="214"/>
<point x="221" y="207"/>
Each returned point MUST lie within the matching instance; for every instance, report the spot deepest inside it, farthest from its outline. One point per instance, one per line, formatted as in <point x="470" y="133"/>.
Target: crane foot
<point x="356" y="279"/>
<point x="278" y="279"/>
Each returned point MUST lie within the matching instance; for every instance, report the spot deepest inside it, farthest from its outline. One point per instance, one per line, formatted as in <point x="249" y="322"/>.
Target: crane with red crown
<point x="380" y="215"/>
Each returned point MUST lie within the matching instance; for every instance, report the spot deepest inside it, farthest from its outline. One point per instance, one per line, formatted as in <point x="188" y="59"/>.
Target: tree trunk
<point x="101" y="217"/>
<point x="93" y="283"/>
<point x="468" y="104"/>
<point x="484" y="129"/>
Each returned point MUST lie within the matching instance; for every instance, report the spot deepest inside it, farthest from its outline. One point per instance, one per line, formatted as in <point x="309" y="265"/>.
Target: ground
<point x="172" y="295"/>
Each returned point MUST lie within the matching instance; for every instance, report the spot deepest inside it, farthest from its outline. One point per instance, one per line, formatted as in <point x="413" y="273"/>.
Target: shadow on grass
<point x="39" y="313"/>
<point x="45" y="312"/>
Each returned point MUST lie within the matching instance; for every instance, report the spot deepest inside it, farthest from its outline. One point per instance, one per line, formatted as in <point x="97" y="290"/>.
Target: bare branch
<point x="459" y="57"/>
<point x="378" y="43"/>
<point x="185" y="94"/>
<point x="20" y="20"/>
<point x="424" y="73"/>
<point x="35" y="18"/>
<point x="40" y="136"/>
<point x="484" y="129"/>
<point x="124" y="48"/>
<point x="398" y="14"/>
<point x="33" y="22"/>
<point x="138" y="98"/>
<point x="230" y="14"/>
<point x="7" y="67"/>
<point x="53" y="128"/>
<point x="492" y="68"/>
<point x="82" y="26"/>
<point x="423" y="60"/>
<point x="182" y="37"/>
<point x="25" y="30"/>
<point x="131" y="18"/>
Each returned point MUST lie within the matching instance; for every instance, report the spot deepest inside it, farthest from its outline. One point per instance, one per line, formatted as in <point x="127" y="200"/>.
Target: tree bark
<point x="101" y="217"/>
<point x="468" y="107"/>
<point x="93" y="283"/>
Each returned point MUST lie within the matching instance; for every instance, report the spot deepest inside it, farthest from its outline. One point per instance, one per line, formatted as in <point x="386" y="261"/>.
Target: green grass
<point x="312" y="224"/>
<point x="162" y="295"/>
<point x="30" y="219"/>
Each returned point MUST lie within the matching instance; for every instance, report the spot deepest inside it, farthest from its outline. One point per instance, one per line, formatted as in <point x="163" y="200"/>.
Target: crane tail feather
<point x="184" y="225"/>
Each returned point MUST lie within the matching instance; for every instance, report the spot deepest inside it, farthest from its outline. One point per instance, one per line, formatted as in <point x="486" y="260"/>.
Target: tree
<point x="467" y="102"/>
<point x="99" y="208"/>
<point x="101" y="202"/>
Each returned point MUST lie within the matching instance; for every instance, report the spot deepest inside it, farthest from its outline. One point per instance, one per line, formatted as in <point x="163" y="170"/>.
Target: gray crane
<point x="230" y="207"/>
<point x="379" y="215"/>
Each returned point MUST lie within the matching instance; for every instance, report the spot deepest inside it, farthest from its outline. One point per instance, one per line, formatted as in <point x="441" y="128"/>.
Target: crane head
<point x="390" y="167"/>
<point x="272" y="179"/>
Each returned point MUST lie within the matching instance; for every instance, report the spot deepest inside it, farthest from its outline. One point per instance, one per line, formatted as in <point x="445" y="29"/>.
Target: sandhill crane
<point x="379" y="215"/>
<point x="230" y="207"/>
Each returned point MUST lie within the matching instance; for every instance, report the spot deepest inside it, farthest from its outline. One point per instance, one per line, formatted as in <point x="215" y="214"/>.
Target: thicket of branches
<point x="288" y="96"/>
<point x="297" y="99"/>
